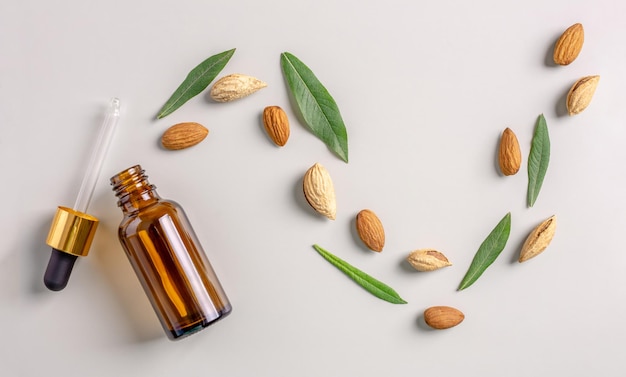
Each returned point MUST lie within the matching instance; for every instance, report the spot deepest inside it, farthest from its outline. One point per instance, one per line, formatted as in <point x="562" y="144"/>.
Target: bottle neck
<point x="134" y="191"/>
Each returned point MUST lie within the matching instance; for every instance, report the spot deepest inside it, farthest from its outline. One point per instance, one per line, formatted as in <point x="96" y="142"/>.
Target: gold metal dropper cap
<point x="72" y="231"/>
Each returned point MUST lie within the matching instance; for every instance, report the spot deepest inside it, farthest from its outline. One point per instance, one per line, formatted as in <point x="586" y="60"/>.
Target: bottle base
<point x="181" y="333"/>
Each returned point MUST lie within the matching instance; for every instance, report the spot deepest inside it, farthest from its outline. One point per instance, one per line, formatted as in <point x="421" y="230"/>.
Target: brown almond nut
<point x="319" y="191"/>
<point x="183" y="135"/>
<point x="276" y="124"/>
<point x="370" y="230"/>
<point x="569" y="44"/>
<point x="427" y="260"/>
<point x="509" y="154"/>
<point x="443" y="317"/>
<point x="235" y="86"/>
<point x="581" y="93"/>
<point x="538" y="240"/>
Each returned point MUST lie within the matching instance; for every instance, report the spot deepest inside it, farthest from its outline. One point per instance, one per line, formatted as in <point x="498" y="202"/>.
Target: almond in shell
<point x="581" y="93"/>
<point x="183" y="135"/>
<point x="319" y="191"/>
<point x="427" y="260"/>
<point x="235" y="86"/>
<point x="370" y="230"/>
<point x="538" y="240"/>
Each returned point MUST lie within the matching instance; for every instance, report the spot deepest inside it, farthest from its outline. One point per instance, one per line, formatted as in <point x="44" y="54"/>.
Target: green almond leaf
<point x="318" y="108"/>
<point x="488" y="251"/>
<point x="197" y="80"/>
<point x="375" y="287"/>
<point x="538" y="159"/>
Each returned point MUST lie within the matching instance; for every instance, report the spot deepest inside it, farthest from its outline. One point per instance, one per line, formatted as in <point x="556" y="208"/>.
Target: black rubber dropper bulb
<point x="59" y="270"/>
<point x="70" y="237"/>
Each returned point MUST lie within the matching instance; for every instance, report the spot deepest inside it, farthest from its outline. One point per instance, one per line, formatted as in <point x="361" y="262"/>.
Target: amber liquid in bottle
<point x="167" y="257"/>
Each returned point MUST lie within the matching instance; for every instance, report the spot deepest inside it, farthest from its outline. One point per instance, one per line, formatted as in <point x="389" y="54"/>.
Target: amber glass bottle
<point x="167" y="257"/>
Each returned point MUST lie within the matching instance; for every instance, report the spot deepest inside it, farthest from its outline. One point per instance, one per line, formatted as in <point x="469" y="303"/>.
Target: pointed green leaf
<point x="375" y="287"/>
<point x="488" y="251"/>
<point x="196" y="81"/>
<point x="538" y="159"/>
<point x="317" y="106"/>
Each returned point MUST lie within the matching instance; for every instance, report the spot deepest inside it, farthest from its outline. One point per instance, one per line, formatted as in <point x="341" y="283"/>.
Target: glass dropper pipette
<point x="97" y="157"/>
<point x="73" y="229"/>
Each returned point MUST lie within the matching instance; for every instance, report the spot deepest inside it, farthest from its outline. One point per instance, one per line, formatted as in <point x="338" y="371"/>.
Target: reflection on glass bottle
<point x="167" y="257"/>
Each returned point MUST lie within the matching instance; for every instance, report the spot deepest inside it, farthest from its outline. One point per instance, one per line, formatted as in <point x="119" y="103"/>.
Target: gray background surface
<point x="425" y="89"/>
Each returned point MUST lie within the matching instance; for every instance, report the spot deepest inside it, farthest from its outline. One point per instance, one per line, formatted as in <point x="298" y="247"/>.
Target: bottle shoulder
<point x="150" y="214"/>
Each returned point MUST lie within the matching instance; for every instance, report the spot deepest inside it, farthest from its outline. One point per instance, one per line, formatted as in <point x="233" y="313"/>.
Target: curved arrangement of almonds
<point x="318" y="188"/>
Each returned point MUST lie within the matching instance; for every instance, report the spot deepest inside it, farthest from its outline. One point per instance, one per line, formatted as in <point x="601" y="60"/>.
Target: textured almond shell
<point x="581" y="93"/>
<point x="443" y="317"/>
<point x="509" y="154"/>
<point x="538" y="240"/>
<point x="370" y="230"/>
<point x="183" y="135"/>
<point x="427" y="260"/>
<point x="569" y="44"/>
<point x="276" y="124"/>
<point x="235" y="86"/>
<point x="319" y="191"/>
